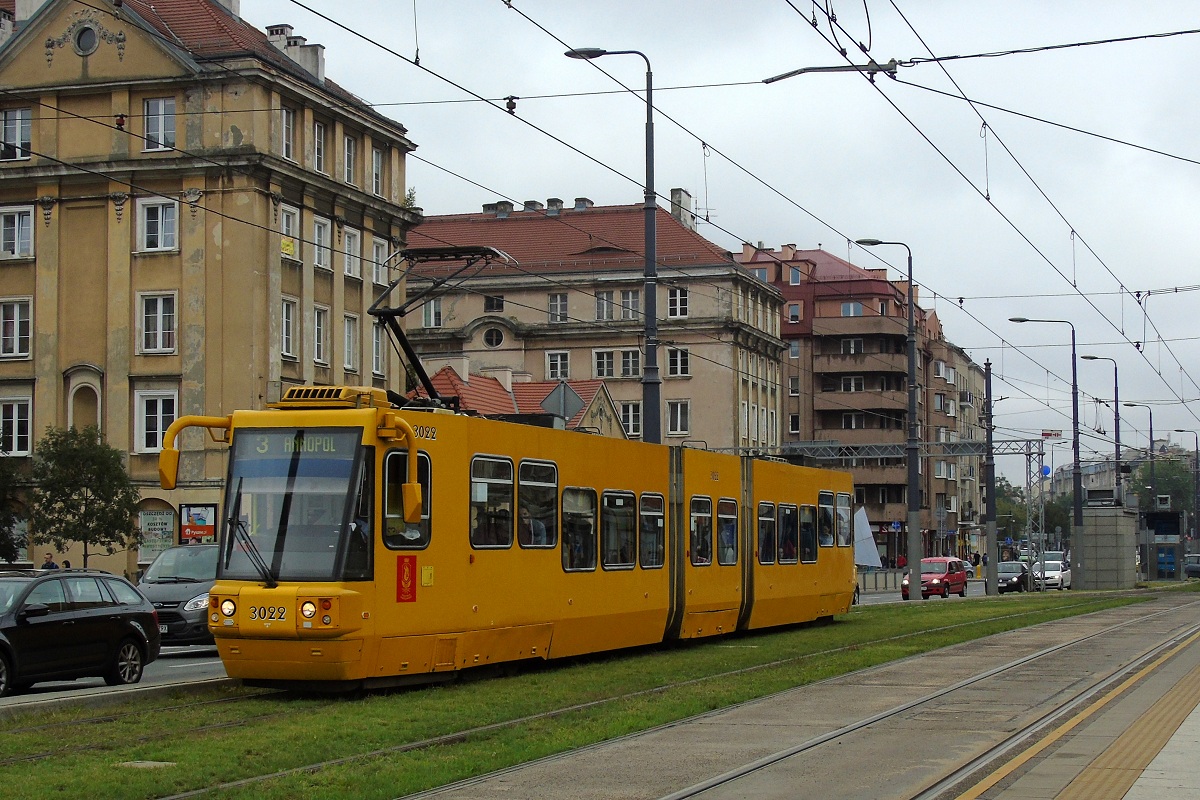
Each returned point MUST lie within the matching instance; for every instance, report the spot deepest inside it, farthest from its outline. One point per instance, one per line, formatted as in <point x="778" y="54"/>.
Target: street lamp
<point x="1195" y="480"/>
<point x="651" y="380"/>
<point x="1153" y="477"/>
<point x="1118" y="498"/>
<point x="916" y="543"/>
<point x="1076" y="470"/>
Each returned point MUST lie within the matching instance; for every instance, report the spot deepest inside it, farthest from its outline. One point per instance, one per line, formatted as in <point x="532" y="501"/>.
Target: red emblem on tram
<point x="406" y="579"/>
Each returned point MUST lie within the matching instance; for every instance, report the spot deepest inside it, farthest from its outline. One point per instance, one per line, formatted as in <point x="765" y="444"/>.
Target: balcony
<point x="861" y="401"/>
<point x="860" y="363"/>
<point x="860" y="326"/>
<point x="878" y="476"/>
<point x="859" y="435"/>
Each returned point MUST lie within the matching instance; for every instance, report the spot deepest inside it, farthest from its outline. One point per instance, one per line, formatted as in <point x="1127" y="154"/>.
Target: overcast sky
<point x="1077" y="227"/>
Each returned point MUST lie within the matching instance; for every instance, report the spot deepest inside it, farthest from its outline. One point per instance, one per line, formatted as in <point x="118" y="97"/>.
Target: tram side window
<point x="788" y="534"/>
<point x="618" y="529"/>
<point x="808" y="534"/>
<point x="396" y="532"/>
<point x="727" y="540"/>
<point x="359" y="544"/>
<point x="653" y="535"/>
<point x="701" y="531"/>
<point x="491" y="502"/>
<point x="537" y="504"/>
<point x="825" y="519"/>
<point x="766" y="533"/>
<point x="578" y="529"/>
<point x="845" y="535"/>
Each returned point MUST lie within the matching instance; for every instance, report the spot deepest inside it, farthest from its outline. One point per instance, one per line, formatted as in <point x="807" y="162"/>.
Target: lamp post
<point x="651" y="380"/>
<point x="1076" y="470"/>
<point x="916" y="544"/>
<point x="1195" y="480"/>
<point x="1118" y="498"/>
<point x="1153" y="477"/>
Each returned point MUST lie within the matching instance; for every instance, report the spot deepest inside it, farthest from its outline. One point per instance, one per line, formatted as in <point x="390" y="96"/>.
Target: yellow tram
<point x="370" y="543"/>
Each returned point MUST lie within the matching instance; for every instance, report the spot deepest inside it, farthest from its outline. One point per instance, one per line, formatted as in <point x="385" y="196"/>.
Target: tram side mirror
<point x="168" y="467"/>
<point x="412" y="501"/>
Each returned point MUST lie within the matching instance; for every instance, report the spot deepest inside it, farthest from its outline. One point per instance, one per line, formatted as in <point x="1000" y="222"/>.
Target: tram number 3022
<point x="425" y="431"/>
<point x="268" y="613"/>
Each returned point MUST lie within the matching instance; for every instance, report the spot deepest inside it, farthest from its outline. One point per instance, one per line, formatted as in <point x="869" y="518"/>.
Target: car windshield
<point x="9" y="589"/>
<point x="934" y="567"/>
<point x="1053" y="566"/>
<point x="187" y="564"/>
<point x="1009" y="566"/>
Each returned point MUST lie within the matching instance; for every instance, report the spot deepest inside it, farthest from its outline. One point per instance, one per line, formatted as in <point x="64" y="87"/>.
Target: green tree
<point x="81" y="493"/>
<point x="1172" y="476"/>
<point x="11" y="539"/>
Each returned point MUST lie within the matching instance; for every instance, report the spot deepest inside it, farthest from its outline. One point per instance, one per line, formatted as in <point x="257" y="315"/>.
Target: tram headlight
<point x="327" y="620"/>
<point x="308" y="609"/>
<point x="228" y="608"/>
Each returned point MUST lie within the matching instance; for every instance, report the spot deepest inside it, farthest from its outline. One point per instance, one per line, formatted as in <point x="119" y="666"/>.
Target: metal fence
<point x="876" y="580"/>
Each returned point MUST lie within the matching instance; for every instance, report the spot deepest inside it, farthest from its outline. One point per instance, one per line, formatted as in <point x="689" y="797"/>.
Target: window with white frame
<point x="431" y="313"/>
<point x="349" y="161"/>
<point x="793" y="423"/>
<point x="15" y="320"/>
<point x="853" y="383"/>
<point x="557" y="305"/>
<point x="631" y="419"/>
<point x="319" y="148"/>
<point x="605" y="309"/>
<point x="631" y="363"/>
<point x="793" y="348"/>
<point x="854" y="421"/>
<point x="158" y="224"/>
<point x="679" y="417"/>
<point x="322" y="253"/>
<point x="155" y="412"/>
<point x="352" y="252"/>
<point x="14" y="426"/>
<point x="289" y="232"/>
<point x="678" y="362"/>
<point x="794" y="385"/>
<point x="16" y="232"/>
<point x="677" y="302"/>
<point x="795" y="276"/>
<point x="379" y="256"/>
<point x="378" y="350"/>
<point x="158" y="323"/>
<point x="852" y="309"/>
<point x="760" y="273"/>
<point x="558" y="365"/>
<point x="287" y="327"/>
<point x="605" y="364"/>
<point x="793" y="312"/>
<point x="377" y="171"/>
<point x="160" y="123"/>
<point x="15" y="125"/>
<point x="350" y="343"/>
<point x="631" y="301"/>
<point x="288" y="117"/>
<point x="852" y="347"/>
<point x="321" y="335"/>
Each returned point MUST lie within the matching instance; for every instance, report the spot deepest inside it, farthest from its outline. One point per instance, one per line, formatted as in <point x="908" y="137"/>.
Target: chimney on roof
<point x="232" y="6"/>
<point x="681" y="208"/>
<point x="503" y="209"/>
<point x="553" y="206"/>
<point x="309" y="56"/>
<point x="6" y="26"/>
<point x="278" y="35"/>
<point x="27" y="8"/>
<point x="583" y="203"/>
<point x="533" y="205"/>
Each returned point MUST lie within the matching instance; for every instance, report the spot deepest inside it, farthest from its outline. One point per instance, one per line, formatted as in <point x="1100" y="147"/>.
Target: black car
<point x="1012" y="576"/>
<point x="68" y="624"/>
<point x="177" y="583"/>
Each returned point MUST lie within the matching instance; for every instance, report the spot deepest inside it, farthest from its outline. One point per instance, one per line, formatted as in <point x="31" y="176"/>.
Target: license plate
<point x="162" y="628"/>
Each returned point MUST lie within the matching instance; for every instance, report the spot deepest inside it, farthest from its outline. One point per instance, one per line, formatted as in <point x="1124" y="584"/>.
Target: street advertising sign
<point x="199" y="524"/>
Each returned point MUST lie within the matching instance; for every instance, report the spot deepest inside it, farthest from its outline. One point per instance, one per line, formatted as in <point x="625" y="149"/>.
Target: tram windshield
<point x="290" y="494"/>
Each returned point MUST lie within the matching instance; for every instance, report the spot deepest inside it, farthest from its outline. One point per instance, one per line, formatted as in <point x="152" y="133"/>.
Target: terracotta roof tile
<point x="482" y="394"/>
<point x="529" y="396"/>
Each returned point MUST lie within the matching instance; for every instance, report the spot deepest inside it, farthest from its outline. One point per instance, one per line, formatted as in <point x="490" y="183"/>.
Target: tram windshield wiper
<point x="243" y="536"/>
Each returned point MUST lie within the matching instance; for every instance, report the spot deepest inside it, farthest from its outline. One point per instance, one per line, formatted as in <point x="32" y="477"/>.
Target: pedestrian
<point x="48" y="562"/>
<point x="66" y="564"/>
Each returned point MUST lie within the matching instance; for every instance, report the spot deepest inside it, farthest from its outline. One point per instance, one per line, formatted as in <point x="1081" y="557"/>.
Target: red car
<point x="944" y="576"/>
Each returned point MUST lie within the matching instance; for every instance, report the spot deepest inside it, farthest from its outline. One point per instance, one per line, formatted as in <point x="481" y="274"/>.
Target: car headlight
<point x="196" y="603"/>
<point x="936" y="580"/>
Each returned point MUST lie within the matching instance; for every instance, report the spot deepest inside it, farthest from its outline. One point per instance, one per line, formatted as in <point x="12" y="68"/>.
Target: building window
<point x="14" y="328"/>
<point x="288" y="116"/>
<point x="760" y="273"/>
<point x="350" y="343"/>
<point x="16" y="232"/>
<point x="156" y="412"/>
<point x="349" y="162"/>
<point x="852" y="347"/>
<point x="289" y="232"/>
<point x="319" y="148"/>
<point x="379" y="262"/>
<point x="377" y="171"/>
<point x="321" y="335"/>
<point x="158" y="323"/>
<point x="558" y="365"/>
<point x="793" y="348"/>
<point x="631" y="363"/>
<point x="287" y="328"/>
<point x="158" y="225"/>
<point x="631" y="419"/>
<point x="605" y="364"/>
<point x="378" y="350"/>
<point x="431" y="313"/>
<point x="679" y="414"/>
<point x="160" y="123"/>
<point x="853" y="383"/>
<point x="855" y="421"/>
<point x="493" y="304"/>
<point x="794" y="385"/>
<point x="14" y="426"/>
<point x="678" y="362"/>
<point x="604" y="305"/>
<point x="794" y="312"/>
<point x="16" y="124"/>
<point x="558" y="307"/>
<point x="352" y="251"/>
<point x="631" y="301"/>
<point x="677" y="302"/>
<point x="322" y="255"/>
<point x="795" y="276"/>
<point x="852" y="309"/>
<point x="493" y="337"/>
<point x="793" y="423"/>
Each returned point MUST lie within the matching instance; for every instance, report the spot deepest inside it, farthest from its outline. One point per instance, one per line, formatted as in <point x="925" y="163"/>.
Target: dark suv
<point x="177" y="583"/>
<point x="75" y="623"/>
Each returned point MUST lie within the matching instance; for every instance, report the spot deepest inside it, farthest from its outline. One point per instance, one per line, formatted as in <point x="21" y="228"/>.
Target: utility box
<point x="1163" y="545"/>
<point x="1104" y="553"/>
